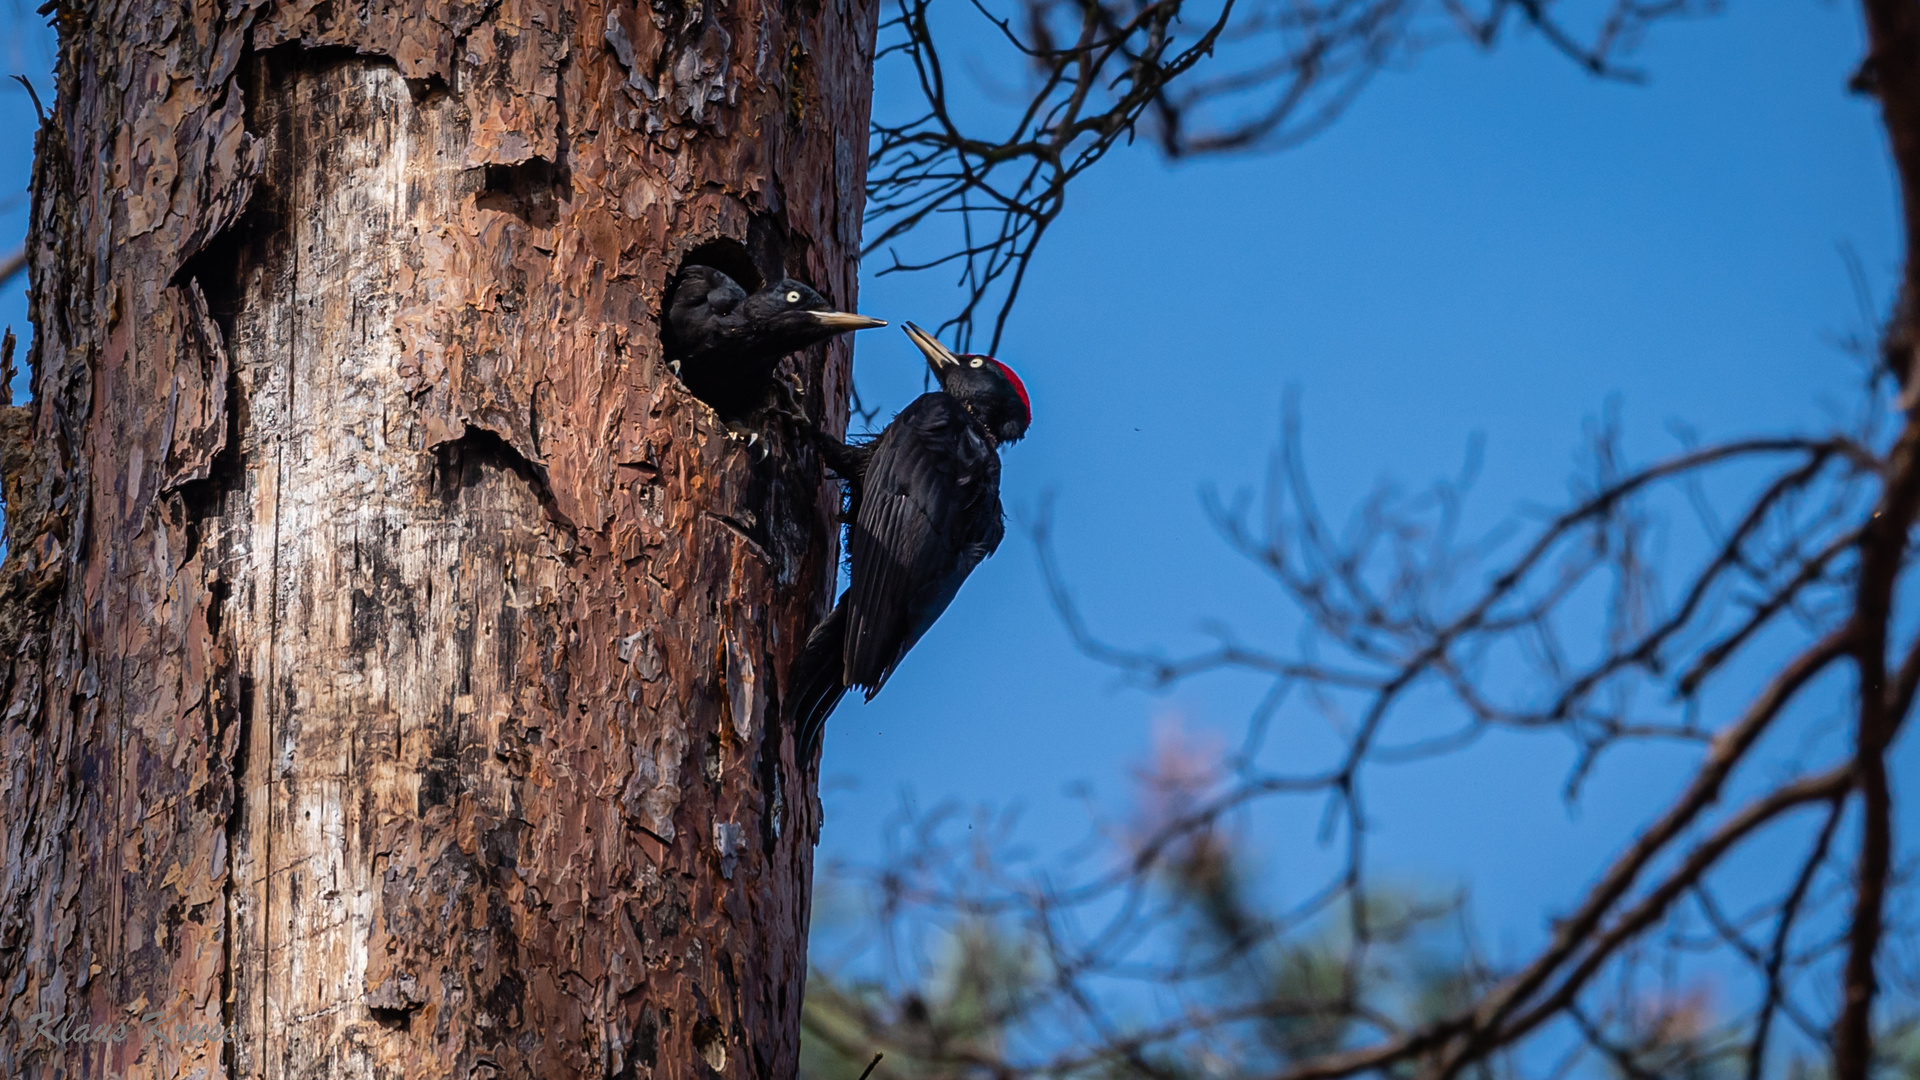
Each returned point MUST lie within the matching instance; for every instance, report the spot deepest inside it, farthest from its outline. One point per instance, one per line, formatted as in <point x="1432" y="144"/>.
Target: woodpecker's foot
<point x="788" y="401"/>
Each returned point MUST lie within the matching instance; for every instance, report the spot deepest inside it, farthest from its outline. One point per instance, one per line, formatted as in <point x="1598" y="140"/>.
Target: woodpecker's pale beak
<point x="842" y="321"/>
<point x="938" y="356"/>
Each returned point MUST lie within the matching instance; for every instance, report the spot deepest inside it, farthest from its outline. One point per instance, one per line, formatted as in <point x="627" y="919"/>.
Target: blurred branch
<point x="1891" y="72"/>
<point x="1775" y="995"/>
<point x="12" y="266"/>
<point x="1826" y="786"/>
<point x="39" y="111"/>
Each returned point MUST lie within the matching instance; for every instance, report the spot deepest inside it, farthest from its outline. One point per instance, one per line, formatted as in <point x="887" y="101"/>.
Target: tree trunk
<point x="394" y="646"/>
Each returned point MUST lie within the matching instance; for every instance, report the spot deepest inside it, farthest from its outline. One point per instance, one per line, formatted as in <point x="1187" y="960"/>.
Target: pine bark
<point x="393" y="648"/>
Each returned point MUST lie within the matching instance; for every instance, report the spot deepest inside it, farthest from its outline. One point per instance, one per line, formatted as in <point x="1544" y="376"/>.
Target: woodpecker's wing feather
<point x="702" y="297"/>
<point x="720" y="293"/>
<point x="929" y="512"/>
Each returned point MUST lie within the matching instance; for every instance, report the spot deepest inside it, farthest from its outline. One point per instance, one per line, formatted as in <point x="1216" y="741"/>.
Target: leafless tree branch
<point x="980" y="192"/>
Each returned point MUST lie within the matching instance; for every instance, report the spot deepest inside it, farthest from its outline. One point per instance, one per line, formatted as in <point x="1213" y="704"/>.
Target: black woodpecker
<point x="926" y="510"/>
<point x="725" y="344"/>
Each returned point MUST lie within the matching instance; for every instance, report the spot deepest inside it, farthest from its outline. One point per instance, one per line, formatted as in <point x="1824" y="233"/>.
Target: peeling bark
<point x="393" y="645"/>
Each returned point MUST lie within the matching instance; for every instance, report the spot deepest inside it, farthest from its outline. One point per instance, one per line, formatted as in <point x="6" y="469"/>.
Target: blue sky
<point x="1486" y="244"/>
<point x="26" y="48"/>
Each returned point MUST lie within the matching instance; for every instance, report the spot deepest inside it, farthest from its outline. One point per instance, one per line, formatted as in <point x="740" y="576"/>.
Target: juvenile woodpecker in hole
<point x="926" y="510"/>
<point x="725" y="344"/>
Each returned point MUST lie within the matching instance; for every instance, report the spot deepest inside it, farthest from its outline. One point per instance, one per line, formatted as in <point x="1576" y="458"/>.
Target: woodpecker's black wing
<point x="702" y="299"/>
<point x="929" y="512"/>
<point x="818" y="682"/>
<point x="818" y="679"/>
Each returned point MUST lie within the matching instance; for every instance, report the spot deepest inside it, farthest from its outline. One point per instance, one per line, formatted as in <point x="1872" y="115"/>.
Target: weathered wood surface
<point x="393" y="646"/>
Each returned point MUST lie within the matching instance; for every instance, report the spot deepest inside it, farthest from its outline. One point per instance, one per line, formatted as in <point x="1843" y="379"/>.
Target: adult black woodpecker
<point x="926" y="510"/>
<point x="725" y="344"/>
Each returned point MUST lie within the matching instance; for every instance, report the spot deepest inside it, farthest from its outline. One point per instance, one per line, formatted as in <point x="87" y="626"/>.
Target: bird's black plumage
<point x="725" y="343"/>
<point x="927" y="511"/>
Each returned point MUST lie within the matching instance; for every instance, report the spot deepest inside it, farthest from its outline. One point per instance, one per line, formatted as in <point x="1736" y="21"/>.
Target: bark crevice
<point x="391" y="698"/>
<point x="460" y="464"/>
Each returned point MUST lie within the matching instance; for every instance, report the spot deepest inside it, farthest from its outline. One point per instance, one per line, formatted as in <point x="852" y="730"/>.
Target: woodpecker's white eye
<point x="976" y="362"/>
<point x="793" y="297"/>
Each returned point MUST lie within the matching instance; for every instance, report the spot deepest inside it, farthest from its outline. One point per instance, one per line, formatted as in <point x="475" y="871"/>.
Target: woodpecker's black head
<point x="787" y="316"/>
<point x="710" y="316"/>
<point x="725" y="344"/>
<point x="988" y="388"/>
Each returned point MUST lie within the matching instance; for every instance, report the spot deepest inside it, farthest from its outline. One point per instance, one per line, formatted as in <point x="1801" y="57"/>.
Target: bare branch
<point x="1776" y="996"/>
<point x="1223" y="77"/>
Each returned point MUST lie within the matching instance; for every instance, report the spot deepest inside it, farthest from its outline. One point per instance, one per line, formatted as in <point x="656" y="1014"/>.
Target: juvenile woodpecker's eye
<point x="793" y="297"/>
<point x="976" y="362"/>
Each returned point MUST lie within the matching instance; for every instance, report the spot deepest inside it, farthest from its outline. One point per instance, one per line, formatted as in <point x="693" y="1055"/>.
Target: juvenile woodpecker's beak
<point x="938" y="356"/>
<point x="842" y="321"/>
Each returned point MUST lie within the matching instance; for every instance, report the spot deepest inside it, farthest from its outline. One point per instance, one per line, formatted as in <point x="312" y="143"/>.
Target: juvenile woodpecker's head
<point x="787" y="316"/>
<point x="988" y="388"/>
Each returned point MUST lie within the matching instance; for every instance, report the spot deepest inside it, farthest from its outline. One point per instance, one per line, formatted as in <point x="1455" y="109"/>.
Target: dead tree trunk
<point x="393" y="646"/>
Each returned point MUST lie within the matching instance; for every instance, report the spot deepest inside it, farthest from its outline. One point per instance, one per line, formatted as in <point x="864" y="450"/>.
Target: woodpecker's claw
<point x="757" y="448"/>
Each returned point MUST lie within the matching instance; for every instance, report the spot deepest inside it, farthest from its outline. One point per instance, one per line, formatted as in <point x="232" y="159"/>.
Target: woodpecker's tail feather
<point x="818" y="682"/>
